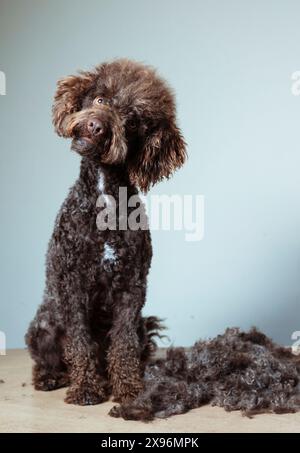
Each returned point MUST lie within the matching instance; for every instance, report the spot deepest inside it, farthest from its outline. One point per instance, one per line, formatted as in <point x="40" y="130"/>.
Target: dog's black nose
<point x="95" y="127"/>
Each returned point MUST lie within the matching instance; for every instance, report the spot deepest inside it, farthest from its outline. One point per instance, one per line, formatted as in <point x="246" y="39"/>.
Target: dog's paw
<point x="47" y="383"/>
<point x="84" y="396"/>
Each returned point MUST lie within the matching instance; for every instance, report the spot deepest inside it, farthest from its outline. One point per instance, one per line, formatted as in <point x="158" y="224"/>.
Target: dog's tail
<point x="150" y="329"/>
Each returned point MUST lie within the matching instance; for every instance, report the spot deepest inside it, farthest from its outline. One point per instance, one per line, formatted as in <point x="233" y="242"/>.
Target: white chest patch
<point x="109" y="253"/>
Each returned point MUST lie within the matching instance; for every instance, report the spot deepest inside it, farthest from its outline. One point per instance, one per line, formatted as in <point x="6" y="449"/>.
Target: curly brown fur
<point x="236" y="370"/>
<point x="89" y="333"/>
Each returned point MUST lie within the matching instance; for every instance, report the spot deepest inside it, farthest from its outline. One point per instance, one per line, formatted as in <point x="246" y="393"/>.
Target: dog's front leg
<point x="124" y="364"/>
<point x="81" y="355"/>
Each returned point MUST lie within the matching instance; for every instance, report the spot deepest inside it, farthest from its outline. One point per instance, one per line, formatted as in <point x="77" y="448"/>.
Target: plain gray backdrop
<point x="230" y="64"/>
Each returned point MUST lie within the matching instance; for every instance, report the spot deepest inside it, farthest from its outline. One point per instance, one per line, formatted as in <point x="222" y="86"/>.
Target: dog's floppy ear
<point x="67" y="99"/>
<point x="164" y="151"/>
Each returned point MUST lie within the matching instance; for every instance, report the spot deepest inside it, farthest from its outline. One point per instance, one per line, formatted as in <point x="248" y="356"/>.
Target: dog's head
<point x="122" y="113"/>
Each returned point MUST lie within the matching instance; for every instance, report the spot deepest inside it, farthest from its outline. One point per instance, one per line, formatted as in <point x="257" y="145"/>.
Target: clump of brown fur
<point x="236" y="370"/>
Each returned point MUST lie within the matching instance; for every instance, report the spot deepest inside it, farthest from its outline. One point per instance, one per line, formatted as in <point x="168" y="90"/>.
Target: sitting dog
<point x="89" y="334"/>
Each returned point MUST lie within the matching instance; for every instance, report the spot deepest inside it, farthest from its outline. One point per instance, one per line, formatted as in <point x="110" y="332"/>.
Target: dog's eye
<point x="99" y="100"/>
<point x="130" y="124"/>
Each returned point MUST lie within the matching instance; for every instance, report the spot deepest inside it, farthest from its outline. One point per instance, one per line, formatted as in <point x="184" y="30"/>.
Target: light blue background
<point x="230" y="63"/>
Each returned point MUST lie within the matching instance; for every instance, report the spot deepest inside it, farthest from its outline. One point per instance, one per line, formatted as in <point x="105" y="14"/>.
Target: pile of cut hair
<point x="238" y="370"/>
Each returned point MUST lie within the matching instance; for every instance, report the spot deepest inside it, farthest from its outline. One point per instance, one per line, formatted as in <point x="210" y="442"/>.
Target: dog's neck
<point x="107" y="179"/>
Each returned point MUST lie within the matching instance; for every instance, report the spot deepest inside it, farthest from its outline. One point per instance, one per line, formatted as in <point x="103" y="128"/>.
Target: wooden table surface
<point x="22" y="409"/>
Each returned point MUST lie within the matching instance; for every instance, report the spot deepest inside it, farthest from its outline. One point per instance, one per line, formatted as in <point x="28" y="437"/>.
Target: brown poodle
<point x="89" y="333"/>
